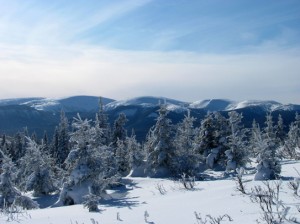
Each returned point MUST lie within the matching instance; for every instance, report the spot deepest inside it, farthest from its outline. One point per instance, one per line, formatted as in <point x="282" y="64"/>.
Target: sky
<point x="183" y="49"/>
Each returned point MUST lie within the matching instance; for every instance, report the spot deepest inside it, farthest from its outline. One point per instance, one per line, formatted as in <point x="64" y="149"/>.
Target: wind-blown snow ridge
<point x="42" y="104"/>
<point x="148" y="101"/>
<point x="212" y="104"/>
<point x="267" y="105"/>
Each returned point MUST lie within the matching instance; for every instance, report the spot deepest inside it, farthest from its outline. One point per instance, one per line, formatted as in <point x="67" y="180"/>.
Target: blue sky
<point x="184" y="49"/>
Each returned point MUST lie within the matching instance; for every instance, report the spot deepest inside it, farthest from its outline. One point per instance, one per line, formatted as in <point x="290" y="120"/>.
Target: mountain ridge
<point x="91" y="103"/>
<point x="38" y="114"/>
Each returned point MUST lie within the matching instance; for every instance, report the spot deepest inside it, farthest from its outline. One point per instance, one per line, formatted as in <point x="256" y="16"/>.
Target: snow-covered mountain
<point x="68" y="104"/>
<point x="212" y="104"/>
<point x="91" y="103"/>
<point x="38" y="114"/>
<point x="147" y="101"/>
<point x="228" y="105"/>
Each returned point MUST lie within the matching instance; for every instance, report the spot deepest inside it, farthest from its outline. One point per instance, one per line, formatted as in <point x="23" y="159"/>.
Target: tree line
<point x="86" y="157"/>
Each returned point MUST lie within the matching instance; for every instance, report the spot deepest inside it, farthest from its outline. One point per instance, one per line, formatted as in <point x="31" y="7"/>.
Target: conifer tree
<point x="186" y="160"/>
<point x="280" y="134"/>
<point x="161" y="152"/>
<point x="206" y="138"/>
<point x="36" y="170"/>
<point x="18" y="147"/>
<point x="236" y="154"/>
<point x="102" y="125"/>
<point x="268" y="167"/>
<point x="119" y="131"/>
<point x="255" y="131"/>
<point x="136" y="153"/>
<point x="54" y="144"/>
<point x="9" y="194"/>
<point x="87" y="165"/>
<point x="63" y="139"/>
<point x="292" y="142"/>
<point x="8" y="191"/>
<point x="122" y="158"/>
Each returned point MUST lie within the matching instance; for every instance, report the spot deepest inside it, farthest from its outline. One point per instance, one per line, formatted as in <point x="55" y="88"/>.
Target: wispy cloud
<point x="122" y="49"/>
<point x="122" y="74"/>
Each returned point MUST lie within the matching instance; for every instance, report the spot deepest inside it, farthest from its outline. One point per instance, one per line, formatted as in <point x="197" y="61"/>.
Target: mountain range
<point x="40" y="114"/>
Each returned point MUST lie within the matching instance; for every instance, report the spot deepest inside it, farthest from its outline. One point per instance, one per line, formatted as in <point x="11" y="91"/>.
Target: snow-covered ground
<point x="166" y="201"/>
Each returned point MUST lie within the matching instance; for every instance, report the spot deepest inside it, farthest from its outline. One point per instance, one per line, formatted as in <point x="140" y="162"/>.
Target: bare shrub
<point x="187" y="182"/>
<point x="239" y="180"/>
<point x="294" y="186"/>
<point x="212" y="220"/>
<point x="272" y="208"/>
<point x="161" y="188"/>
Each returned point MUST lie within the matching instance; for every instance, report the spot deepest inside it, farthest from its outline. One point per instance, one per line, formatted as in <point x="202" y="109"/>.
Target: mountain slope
<point x="145" y="101"/>
<point x="68" y="104"/>
<point x="39" y="114"/>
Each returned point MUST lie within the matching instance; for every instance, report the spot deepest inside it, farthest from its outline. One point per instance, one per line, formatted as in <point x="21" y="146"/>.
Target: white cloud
<point x="63" y="71"/>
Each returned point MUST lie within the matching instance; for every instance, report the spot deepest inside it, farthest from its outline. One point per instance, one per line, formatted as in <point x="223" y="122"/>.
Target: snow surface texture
<point x="166" y="201"/>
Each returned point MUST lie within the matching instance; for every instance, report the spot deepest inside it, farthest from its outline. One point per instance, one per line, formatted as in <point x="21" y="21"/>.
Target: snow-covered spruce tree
<point x="222" y="131"/>
<point x="160" y="149"/>
<point x="136" y="156"/>
<point x="91" y="201"/>
<point x="9" y="194"/>
<point x="17" y="149"/>
<point x="255" y="131"/>
<point x="63" y="140"/>
<point x="186" y="160"/>
<point x="237" y="155"/>
<point x="269" y="130"/>
<point x="102" y="124"/>
<point x="280" y="134"/>
<point x="5" y="145"/>
<point x="36" y="170"/>
<point x="211" y="140"/>
<point x="205" y="141"/>
<point x="291" y="148"/>
<point x="45" y="143"/>
<point x="54" y="144"/>
<point x="99" y="133"/>
<point x="268" y="167"/>
<point x="87" y="166"/>
<point x="122" y="158"/>
<point x="119" y="132"/>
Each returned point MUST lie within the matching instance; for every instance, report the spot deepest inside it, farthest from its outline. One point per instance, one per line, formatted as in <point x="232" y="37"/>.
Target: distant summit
<point x="68" y="104"/>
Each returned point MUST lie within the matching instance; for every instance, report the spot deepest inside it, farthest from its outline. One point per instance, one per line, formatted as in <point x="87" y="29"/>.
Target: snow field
<point x="174" y="205"/>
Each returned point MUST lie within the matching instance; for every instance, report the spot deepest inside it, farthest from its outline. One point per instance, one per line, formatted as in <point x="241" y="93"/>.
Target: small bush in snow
<point x="294" y="186"/>
<point x="26" y="202"/>
<point x="239" y="180"/>
<point x="272" y="208"/>
<point x="187" y="182"/>
<point x="212" y="220"/>
<point x="12" y="212"/>
<point x="91" y="202"/>
<point x="146" y="216"/>
<point x="161" y="189"/>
